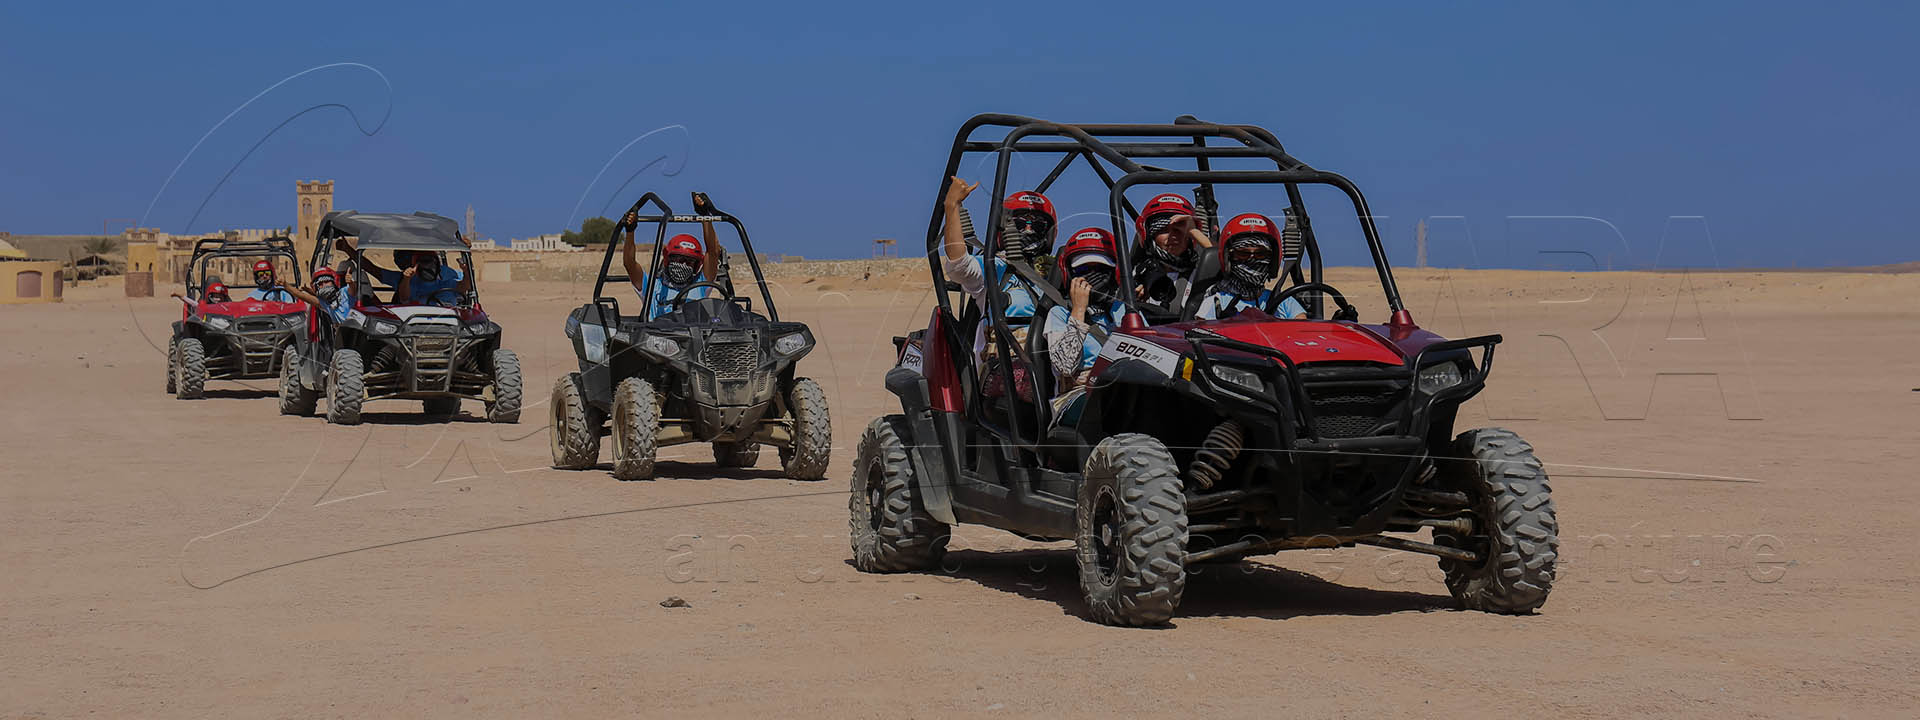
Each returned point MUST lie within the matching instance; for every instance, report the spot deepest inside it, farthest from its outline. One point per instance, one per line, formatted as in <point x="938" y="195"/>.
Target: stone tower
<point x="315" y="198"/>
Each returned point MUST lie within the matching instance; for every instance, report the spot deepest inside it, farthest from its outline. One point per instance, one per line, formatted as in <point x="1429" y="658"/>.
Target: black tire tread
<point x="507" y="391"/>
<point x="636" y="419"/>
<point x="346" y="390"/>
<point x="1149" y="495"/>
<point x="192" y="384"/>
<point x="295" y="399"/>
<point x="1515" y="507"/>
<point x="907" y="537"/>
<point x="736" y="454"/>
<point x="812" y="448"/>
<point x="576" y="426"/>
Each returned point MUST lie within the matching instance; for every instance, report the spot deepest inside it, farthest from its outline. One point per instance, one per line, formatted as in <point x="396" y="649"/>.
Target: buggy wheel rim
<point x="557" y="429"/>
<point x="876" y="494"/>
<point x="1106" y="535"/>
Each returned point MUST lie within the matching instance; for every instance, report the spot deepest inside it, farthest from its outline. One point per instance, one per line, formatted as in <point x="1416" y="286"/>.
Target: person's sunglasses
<point x="1031" y="223"/>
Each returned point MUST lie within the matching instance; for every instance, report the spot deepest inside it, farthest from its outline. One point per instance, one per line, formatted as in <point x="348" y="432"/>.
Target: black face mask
<point x="327" y="292"/>
<point x="429" y="271"/>
<point x="263" y="280"/>
<point x="680" y="274"/>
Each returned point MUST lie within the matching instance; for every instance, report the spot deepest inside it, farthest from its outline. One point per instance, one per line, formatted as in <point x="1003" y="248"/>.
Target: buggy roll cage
<point x="1186" y="138"/>
<point x="329" y="233"/>
<point x="206" y="249"/>
<point x="1085" y="141"/>
<point x="665" y="217"/>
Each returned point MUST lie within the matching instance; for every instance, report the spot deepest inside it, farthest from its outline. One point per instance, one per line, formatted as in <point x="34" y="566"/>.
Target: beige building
<point x="24" y="280"/>
<point x="315" y="200"/>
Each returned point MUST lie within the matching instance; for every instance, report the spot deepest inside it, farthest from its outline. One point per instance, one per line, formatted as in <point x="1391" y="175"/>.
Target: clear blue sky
<point x="1790" y="127"/>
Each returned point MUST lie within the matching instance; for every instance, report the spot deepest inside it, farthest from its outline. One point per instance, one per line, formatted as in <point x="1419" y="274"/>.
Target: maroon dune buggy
<point x="1198" y="441"/>
<point x="240" y="339"/>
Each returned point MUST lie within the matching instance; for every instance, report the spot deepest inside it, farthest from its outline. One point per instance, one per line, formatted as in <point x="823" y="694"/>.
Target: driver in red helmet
<point x="1170" y="239"/>
<point x="1250" y="259"/>
<point x="685" y="259"/>
<point x="265" y="285"/>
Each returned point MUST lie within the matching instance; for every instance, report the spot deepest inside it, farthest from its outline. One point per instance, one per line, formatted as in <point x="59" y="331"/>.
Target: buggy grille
<point x="258" y="325"/>
<point x="732" y="360"/>
<point x="1347" y="413"/>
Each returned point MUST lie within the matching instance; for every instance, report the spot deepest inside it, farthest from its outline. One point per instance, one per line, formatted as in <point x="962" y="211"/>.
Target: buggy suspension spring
<point x="1216" y="454"/>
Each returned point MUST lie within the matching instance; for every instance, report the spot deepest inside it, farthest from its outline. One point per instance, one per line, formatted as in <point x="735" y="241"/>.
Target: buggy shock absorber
<point x="1217" y="453"/>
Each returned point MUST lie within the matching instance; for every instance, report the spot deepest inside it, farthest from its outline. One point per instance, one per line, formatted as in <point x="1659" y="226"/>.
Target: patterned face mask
<point x="680" y="273"/>
<point x="1249" y="264"/>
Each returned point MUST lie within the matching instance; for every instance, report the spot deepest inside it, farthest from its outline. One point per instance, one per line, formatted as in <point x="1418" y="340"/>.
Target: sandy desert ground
<point x="1733" y="457"/>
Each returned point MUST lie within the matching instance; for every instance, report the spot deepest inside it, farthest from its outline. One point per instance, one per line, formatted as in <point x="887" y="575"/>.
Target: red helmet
<point x="686" y="246"/>
<point x="214" y="289"/>
<point x="1162" y="204"/>
<point x="262" y="268"/>
<point x="328" y="273"/>
<point x="1089" y="240"/>
<point x="1029" y="200"/>
<point x="1251" y="223"/>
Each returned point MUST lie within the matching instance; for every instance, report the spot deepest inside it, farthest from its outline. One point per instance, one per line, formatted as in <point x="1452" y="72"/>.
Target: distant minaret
<point x="1419" y="242"/>
<point x="470" y="235"/>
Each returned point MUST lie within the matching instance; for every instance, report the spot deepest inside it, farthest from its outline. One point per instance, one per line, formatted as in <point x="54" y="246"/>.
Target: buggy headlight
<point x="662" y="346"/>
<point x="219" y="322"/>
<point x="790" y="344"/>
<point x="1440" y="377"/>
<point x="382" y="327"/>
<point x="1239" y="377"/>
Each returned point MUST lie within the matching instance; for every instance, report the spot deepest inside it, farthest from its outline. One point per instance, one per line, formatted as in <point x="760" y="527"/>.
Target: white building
<point x="543" y="243"/>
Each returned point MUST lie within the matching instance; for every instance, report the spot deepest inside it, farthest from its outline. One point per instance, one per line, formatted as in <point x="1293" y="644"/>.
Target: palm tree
<point x="102" y="245"/>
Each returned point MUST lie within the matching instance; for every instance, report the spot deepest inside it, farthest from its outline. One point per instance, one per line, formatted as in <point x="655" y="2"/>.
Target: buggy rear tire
<point x="1131" y="532"/>
<point x="295" y="399"/>
<point x="346" y="387"/>
<point x="636" y="419"/>
<point x="505" y="405"/>
<point x="1515" y="530"/>
<point x="736" y="454"/>
<point x="192" y="383"/>
<point x="440" y="406"/>
<point x="888" y="522"/>
<point x="575" y="429"/>
<point x="173" y="363"/>
<point x="806" y="457"/>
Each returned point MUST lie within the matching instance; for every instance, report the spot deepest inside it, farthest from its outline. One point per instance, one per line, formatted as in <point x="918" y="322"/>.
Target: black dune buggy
<point x="710" y="370"/>
<point x="1200" y="441"/>
<point x="399" y="350"/>
<point x="236" y="340"/>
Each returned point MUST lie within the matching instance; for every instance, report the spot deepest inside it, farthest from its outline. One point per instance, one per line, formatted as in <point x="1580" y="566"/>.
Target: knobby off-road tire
<point x="806" y="458"/>
<point x="346" y="387"/>
<point x="192" y="383"/>
<point x="1516" y="532"/>
<point x="736" y="454"/>
<point x="575" y="429"/>
<point x="636" y="419"/>
<point x="505" y="407"/>
<point x="173" y="363"/>
<point x="1131" y="539"/>
<point x="889" y="526"/>
<point x="440" y="406"/>
<point x="295" y="399"/>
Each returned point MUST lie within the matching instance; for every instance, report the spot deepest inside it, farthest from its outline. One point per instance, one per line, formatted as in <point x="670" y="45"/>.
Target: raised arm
<point x="303" y="296"/>
<point x="955" y="246"/>
<point x="466" y="268"/>
<point x="635" y="274"/>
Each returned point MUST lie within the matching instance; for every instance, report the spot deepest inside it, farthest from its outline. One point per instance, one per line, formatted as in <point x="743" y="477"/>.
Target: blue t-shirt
<point x="1226" y="304"/>
<point x="274" y="294"/>
<point x="663" y="294"/>
<point x="1020" y="301"/>
<point x="341" y="306"/>
<point x="441" y="290"/>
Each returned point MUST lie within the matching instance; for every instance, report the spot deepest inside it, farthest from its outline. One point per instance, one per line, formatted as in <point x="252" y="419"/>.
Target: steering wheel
<point x="682" y="296"/>
<point x="1346" y="312"/>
